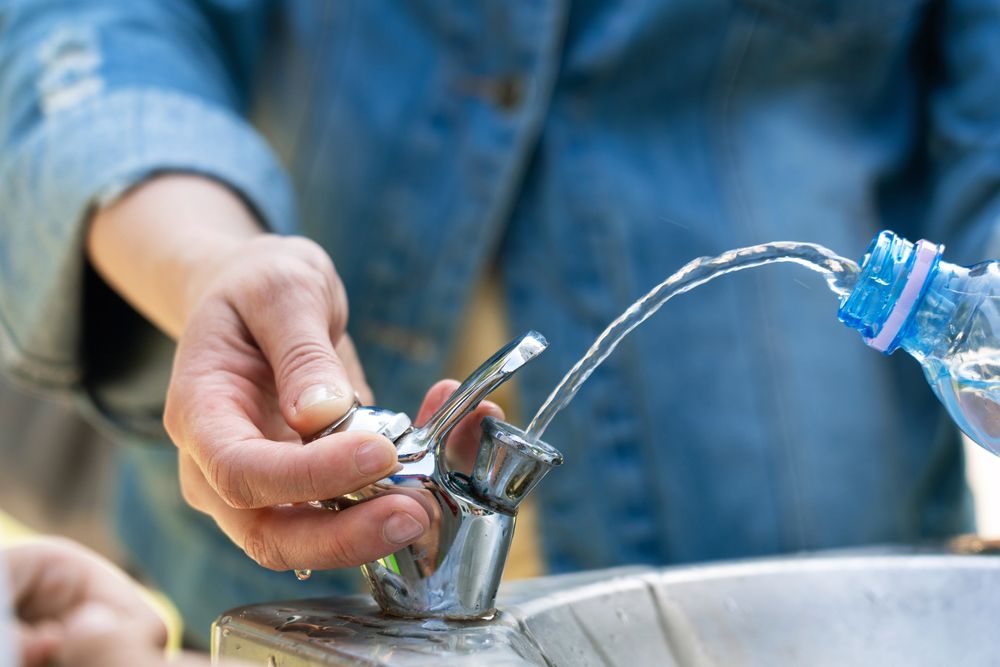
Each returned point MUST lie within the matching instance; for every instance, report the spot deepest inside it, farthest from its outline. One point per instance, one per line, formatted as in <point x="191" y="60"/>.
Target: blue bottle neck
<point x="895" y="277"/>
<point x="931" y="332"/>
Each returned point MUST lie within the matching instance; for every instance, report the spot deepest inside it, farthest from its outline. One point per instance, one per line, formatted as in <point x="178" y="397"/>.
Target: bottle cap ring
<point x="926" y="254"/>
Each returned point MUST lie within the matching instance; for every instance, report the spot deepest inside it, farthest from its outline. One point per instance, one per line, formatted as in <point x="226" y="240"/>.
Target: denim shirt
<point x="586" y="150"/>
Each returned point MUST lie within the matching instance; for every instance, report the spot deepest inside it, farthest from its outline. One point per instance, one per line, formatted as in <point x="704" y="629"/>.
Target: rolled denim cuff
<point x="84" y="155"/>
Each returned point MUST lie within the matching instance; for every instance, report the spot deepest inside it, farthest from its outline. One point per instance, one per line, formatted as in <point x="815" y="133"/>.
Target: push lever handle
<point x="484" y="380"/>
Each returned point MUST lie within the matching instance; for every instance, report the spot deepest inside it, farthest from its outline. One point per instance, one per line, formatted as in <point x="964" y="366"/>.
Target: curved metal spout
<point x="484" y="380"/>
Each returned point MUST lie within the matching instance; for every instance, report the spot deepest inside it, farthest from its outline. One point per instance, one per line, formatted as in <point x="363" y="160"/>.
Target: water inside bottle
<point x="971" y="392"/>
<point x="840" y="274"/>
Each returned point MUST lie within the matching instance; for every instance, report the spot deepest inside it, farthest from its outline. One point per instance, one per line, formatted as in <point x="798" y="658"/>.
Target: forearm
<point x="157" y="244"/>
<point x="68" y="141"/>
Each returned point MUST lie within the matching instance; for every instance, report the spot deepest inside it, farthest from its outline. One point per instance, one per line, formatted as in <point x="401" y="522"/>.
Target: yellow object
<point x="12" y="530"/>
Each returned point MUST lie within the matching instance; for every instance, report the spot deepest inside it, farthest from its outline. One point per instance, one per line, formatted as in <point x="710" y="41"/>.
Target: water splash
<point x="840" y="274"/>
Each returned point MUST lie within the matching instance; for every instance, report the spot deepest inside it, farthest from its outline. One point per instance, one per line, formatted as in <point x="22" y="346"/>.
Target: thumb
<point x="313" y="386"/>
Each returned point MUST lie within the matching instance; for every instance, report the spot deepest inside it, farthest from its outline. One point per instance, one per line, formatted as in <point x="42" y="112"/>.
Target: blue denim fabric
<point x="588" y="151"/>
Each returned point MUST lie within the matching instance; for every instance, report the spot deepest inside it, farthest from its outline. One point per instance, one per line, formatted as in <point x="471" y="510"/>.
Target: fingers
<point x="434" y="399"/>
<point x="215" y="405"/>
<point x="39" y="643"/>
<point x="96" y="635"/>
<point x="250" y="472"/>
<point x="463" y="442"/>
<point x="301" y="537"/>
<point x="291" y="315"/>
<point x="52" y="576"/>
<point x="64" y="592"/>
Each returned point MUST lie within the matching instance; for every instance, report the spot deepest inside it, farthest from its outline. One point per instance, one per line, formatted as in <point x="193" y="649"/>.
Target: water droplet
<point x="302" y="575"/>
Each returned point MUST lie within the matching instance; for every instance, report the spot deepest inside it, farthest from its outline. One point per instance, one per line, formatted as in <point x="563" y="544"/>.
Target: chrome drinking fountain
<point x="453" y="571"/>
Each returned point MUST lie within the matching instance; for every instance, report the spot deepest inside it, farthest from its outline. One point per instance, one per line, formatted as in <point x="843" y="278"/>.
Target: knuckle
<point x="316" y="269"/>
<point x="263" y="548"/>
<point x="342" y="551"/>
<point x="299" y="274"/>
<point x="304" y="355"/>
<point x="312" y="482"/>
<point x="306" y="253"/>
<point x="230" y="482"/>
<point x="282" y="280"/>
<point x="269" y="284"/>
<point x="309" y="251"/>
<point x="292" y="287"/>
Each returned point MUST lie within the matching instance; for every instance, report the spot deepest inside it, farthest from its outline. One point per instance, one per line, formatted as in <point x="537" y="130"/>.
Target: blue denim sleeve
<point x="965" y="128"/>
<point x="95" y="97"/>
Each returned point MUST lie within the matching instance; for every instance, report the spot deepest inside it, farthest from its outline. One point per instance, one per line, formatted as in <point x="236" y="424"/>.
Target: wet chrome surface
<point x="453" y="571"/>
<point x="844" y="610"/>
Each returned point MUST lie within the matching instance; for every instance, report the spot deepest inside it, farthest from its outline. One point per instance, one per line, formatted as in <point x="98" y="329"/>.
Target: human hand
<point x="256" y="371"/>
<point x="262" y="362"/>
<point x="302" y="537"/>
<point x="75" y="608"/>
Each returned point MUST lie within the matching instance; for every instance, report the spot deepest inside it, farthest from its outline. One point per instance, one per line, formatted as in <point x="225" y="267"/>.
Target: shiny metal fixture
<point x="453" y="571"/>
<point x="863" y="607"/>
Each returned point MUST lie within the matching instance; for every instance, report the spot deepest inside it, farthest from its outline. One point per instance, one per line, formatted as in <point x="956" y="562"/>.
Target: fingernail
<point x="373" y="456"/>
<point x="401" y="528"/>
<point x="316" y="394"/>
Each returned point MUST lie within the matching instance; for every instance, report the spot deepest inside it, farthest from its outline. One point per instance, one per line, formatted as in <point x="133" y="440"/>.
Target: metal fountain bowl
<point x="853" y="609"/>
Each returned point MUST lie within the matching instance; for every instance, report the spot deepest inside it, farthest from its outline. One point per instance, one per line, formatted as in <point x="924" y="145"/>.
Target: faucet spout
<point x="509" y="465"/>
<point x="481" y="383"/>
<point x="453" y="570"/>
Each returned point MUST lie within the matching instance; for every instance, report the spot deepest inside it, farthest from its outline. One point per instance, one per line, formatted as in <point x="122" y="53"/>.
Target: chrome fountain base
<point x="818" y="610"/>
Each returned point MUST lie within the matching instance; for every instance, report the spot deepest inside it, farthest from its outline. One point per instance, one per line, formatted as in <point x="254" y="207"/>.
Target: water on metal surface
<point x="846" y="610"/>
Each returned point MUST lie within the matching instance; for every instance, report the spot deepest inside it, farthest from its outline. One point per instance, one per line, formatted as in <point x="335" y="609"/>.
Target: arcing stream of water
<point x="840" y="274"/>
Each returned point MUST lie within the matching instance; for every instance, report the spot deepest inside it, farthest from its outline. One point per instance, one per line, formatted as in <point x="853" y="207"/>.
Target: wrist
<point x="160" y="244"/>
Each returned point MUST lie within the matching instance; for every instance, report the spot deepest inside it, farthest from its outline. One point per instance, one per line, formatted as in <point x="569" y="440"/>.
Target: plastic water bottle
<point x="946" y="316"/>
